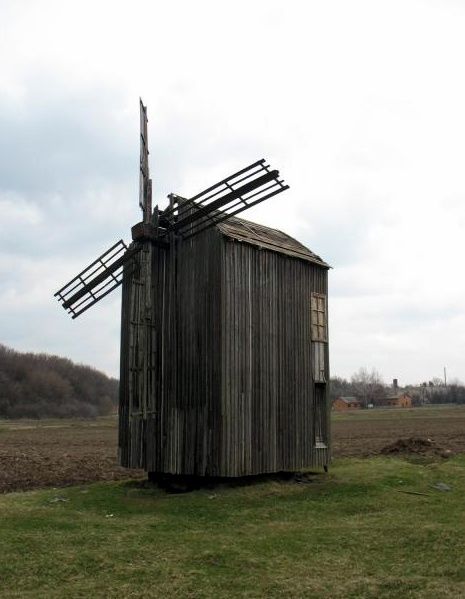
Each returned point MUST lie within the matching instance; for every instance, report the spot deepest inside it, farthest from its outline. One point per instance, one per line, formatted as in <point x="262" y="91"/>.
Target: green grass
<point x="353" y="533"/>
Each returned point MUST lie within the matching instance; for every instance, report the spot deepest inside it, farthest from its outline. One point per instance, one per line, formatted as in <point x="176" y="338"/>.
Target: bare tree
<point x="339" y="387"/>
<point x="368" y="386"/>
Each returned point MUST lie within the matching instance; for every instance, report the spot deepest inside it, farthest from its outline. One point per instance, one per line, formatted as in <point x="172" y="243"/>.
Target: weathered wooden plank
<point x="228" y="380"/>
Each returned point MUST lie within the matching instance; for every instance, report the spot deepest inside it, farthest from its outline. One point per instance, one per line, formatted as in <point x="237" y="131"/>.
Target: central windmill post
<point x="141" y="329"/>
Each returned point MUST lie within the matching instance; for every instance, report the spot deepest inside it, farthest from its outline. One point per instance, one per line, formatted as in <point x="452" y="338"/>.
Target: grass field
<point x="374" y="527"/>
<point x="360" y="532"/>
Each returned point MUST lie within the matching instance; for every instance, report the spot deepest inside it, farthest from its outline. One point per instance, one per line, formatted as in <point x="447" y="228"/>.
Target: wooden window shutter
<point x="319" y="336"/>
<point x="319" y="321"/>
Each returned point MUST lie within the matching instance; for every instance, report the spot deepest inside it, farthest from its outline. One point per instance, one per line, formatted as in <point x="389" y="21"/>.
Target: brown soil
<point x="59" y="453"/>
<point x="416" y="446"/>
<point x="357" y="435"/>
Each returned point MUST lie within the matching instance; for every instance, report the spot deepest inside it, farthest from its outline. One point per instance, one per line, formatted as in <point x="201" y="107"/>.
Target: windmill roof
<point x="267" y="238"/>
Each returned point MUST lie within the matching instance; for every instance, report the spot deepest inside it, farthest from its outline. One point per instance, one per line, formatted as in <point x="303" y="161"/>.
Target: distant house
<point x="341" y="404"/>
<point x="399" y="400"/>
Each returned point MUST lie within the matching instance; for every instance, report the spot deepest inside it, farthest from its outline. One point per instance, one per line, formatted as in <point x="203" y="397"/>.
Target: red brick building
<point x="342" y="404"/>
<point x="399" y="400"/>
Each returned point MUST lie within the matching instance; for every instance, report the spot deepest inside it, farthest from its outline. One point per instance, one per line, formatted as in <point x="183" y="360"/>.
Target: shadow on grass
<point x="175" y="483"/>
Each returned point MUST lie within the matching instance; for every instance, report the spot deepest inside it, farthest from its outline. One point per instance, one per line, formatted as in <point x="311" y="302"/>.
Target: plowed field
<point x="55" y="453"/>
<point x="66" y="452"/>
<point x="366" y="432"/>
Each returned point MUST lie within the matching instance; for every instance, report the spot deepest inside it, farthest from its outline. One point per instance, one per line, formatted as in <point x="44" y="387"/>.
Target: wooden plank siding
<point x="233" y="392"/>
<point x="267" y="384"/>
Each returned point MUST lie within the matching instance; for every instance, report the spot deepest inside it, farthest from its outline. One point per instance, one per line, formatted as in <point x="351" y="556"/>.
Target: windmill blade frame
<point x="234" y="194"/>
<point x="97" y="280"/>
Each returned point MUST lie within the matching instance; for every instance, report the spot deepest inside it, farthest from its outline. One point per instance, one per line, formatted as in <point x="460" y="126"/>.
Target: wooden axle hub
<point x="147" y="232"/>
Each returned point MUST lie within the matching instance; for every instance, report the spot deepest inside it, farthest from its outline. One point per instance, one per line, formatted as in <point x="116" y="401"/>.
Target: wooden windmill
<point x="209" y="383"/>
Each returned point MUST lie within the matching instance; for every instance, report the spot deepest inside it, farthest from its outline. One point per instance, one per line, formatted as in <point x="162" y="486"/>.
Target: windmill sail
<point x="96" y="281"/>
<point x="238" y="192"/>
<point x="144" y="157"/>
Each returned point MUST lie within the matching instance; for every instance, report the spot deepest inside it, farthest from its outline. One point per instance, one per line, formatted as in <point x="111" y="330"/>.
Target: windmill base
<point x="179" y="483"/>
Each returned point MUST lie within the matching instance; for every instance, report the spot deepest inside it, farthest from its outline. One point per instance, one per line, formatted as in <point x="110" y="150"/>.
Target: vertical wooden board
<point x="123" y="423"/>
<point x="241" y="401"/>
<point x="248" y="356"/>
<point x="280" y="366"/>
<point x="190" y="362"/>
<point x="229" y="362"/>
<point x="217" y="391"/>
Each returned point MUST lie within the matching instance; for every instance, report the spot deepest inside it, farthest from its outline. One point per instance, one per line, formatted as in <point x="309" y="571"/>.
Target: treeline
<point x="368" y="387"/>
<point x="44" y="386"/>
<point x="437" y="393"/>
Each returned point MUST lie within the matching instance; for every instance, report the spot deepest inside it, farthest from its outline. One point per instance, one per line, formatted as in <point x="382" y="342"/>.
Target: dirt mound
<point x="416" y="445"/>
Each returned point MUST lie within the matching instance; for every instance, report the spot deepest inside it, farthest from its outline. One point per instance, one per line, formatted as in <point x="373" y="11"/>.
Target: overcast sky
<point x="360" y="105"/>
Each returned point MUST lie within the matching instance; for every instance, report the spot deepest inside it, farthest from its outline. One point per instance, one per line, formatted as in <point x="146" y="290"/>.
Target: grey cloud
<point x="58" y="141"/>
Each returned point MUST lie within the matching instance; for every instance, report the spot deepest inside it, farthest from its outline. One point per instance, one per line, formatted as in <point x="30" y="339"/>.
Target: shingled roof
<point x="267" y="238"/>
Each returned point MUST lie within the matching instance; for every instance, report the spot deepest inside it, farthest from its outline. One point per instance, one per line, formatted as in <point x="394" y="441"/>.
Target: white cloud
<point x="16" y="212"/>
<point x="359" y="104"/>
